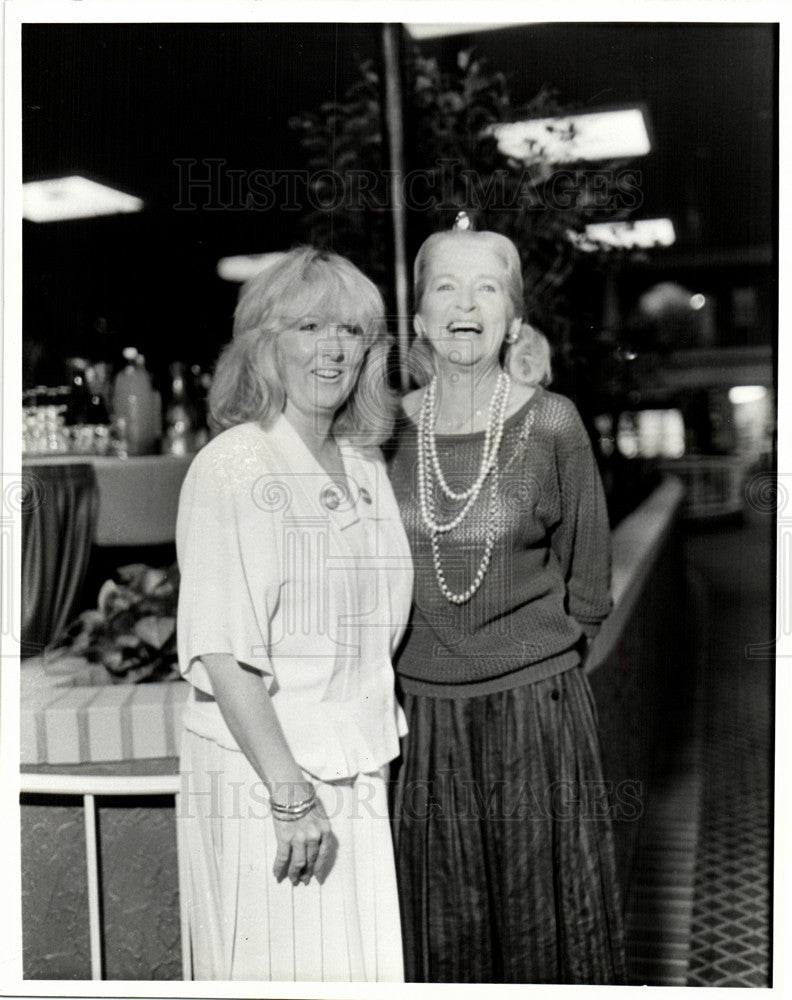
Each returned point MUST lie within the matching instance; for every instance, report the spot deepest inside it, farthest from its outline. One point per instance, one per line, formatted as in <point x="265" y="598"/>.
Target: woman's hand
<point x="304" y="846"/>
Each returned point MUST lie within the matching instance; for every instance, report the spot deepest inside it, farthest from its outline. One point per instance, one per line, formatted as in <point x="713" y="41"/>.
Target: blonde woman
<point x="296" y="584"/>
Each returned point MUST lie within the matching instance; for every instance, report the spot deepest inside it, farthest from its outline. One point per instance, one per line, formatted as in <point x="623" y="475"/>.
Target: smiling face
<point x="319" y="361"/>
<point x="465" y="309"/>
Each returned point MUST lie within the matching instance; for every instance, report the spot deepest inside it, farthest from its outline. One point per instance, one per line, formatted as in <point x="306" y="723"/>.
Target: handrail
<point x="99" y="784"/>
<point x="637" y="542"/>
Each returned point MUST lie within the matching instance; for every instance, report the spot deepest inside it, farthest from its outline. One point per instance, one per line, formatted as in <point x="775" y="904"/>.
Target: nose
<point x="332" y="345"/>
<point x="464" y="299"/>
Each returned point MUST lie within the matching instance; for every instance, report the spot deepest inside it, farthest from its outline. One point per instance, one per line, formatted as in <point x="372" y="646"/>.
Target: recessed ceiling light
<point x="600" y="135"/>
<point x="245" y="266"/>
<point x="73" y="198"/>
<point x="643" y="233"/>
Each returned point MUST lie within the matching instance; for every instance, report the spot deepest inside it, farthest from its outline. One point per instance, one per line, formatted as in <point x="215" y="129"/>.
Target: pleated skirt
<point x="504" y="849"/>
<point x="244" y="924"/>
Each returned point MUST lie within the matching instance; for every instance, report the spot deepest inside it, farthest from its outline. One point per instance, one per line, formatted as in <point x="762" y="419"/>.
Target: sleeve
<point x="225" y="601"/>
<point x="582" y="539"/>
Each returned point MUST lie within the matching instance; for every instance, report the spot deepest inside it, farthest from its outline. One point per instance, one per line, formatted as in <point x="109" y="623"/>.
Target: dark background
<point x="121" y="103"/>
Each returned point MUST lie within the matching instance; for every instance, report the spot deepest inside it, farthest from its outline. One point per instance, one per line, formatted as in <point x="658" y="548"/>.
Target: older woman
<point x="504" y="857"/>
<point x="296" y="583"/>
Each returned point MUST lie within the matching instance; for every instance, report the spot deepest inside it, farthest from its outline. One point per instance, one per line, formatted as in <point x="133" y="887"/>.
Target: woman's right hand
<point x="304" y="846"/>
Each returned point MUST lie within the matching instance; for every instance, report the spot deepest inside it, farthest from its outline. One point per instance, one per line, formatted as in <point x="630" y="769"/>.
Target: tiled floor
<point x="699" y="914"/>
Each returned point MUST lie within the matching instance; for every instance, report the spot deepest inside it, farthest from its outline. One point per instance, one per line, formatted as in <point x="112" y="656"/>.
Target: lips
<point x="464" y="326"/>
<point x="327" y="374"/>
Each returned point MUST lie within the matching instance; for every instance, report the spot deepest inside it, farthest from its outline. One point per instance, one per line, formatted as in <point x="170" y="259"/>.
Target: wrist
<point x="289" y="793"/>
<point x="293" y="810"/>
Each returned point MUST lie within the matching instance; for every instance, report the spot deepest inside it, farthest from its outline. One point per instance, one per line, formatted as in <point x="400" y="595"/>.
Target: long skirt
<point x="504" y="849"/>
<point x="243" y="923"/>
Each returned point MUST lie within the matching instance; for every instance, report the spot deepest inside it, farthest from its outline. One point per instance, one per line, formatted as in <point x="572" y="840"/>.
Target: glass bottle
<point x="180" y="419"/>
<point x="79" y="403"/>
<point x="136" y="403"/>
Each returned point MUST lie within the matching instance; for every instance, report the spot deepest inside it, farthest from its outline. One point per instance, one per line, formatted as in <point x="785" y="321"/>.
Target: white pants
<point x="247" y="926"/>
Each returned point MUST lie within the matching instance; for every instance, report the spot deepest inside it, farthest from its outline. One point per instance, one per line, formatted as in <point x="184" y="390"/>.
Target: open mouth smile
<point x="464" y="326"/>
<point x="327" y="374"/>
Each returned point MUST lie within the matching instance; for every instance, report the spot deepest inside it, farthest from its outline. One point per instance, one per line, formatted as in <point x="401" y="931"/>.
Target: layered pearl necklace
<point x="429" y="465"/>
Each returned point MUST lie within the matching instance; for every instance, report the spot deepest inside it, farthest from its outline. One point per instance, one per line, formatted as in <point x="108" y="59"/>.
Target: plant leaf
<point x="154" y="630"/>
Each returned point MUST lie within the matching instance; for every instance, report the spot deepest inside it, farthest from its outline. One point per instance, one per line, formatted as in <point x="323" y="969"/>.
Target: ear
<point x="418" y="326"/>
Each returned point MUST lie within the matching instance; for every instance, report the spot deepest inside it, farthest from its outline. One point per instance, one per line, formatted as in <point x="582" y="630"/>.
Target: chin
<point x="329" y="406"/>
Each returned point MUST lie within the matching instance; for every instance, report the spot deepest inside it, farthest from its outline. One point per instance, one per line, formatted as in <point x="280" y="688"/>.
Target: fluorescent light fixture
<point x="643" y="233"/>
<point x="73" y="198"/>
<point x="418" y="32"/>
<point x="245" y="266"/>
<point x="600" y="135"/>
<point x="747" y="393"/>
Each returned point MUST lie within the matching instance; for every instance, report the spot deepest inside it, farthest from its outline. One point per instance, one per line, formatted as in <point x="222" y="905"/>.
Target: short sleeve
<point x="225" y="598"/>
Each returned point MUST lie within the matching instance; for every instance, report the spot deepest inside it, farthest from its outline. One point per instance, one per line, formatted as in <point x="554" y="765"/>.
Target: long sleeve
<point x="582" y="540"/>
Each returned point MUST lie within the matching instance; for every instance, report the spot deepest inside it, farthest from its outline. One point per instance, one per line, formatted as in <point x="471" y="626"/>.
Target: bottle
<point x="78" y="407"/>
<point x="180" y="421"/>
<point x="96" y="379"/>
<point x="137" y="404"/>
<point x="201" y="383"/>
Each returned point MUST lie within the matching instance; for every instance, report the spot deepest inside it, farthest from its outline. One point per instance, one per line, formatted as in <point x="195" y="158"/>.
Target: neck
<point x="313" y="428"/>
<point x="461" y="391"/>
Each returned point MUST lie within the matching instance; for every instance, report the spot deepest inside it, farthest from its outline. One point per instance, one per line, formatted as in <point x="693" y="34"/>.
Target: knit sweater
<point x="549" y="579"/>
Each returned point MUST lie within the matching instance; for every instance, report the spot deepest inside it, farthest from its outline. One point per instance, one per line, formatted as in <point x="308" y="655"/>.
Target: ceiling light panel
<point x="601" y="135"/>
<point x="73" y="197"/>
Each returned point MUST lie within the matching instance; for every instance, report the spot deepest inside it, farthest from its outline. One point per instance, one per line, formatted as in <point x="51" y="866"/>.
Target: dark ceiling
<point x="124" y="103"/>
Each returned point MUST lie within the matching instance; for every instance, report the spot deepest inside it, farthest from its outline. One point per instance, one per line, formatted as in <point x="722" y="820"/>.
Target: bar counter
<point x="138" y="496"/>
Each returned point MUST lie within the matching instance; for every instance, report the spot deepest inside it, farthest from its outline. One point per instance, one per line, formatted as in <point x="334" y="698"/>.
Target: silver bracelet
<point x="293" y="810"/>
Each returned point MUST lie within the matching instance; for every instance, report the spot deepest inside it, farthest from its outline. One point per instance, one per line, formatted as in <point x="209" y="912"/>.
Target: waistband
<point x="492" y="685"/>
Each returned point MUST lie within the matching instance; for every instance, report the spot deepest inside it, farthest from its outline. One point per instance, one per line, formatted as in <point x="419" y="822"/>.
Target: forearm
<point x="584" y="541"/>
<point x="250" y="715"/>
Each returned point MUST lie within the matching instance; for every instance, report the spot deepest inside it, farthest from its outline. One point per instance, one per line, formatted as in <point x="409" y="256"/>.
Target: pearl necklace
<point x="428" y="463"/>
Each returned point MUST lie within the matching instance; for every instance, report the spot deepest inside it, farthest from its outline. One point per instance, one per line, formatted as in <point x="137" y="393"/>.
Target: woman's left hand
<point x="304" y="846"/>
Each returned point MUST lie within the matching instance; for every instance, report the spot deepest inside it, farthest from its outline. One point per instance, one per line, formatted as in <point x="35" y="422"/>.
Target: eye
<point x="350" y="330"/>
<point x="488" y="286"/>
<point x="445" y="286"/>
<point x="309" y="326"/>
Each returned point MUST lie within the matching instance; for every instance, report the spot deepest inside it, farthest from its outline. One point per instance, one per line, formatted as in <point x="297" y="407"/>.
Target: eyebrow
<point x="478" y="277"/>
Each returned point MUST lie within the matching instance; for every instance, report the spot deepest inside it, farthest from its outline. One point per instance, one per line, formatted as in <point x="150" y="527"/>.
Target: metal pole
<point x="94" y="891"/>
<point x="395" y="130"/>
